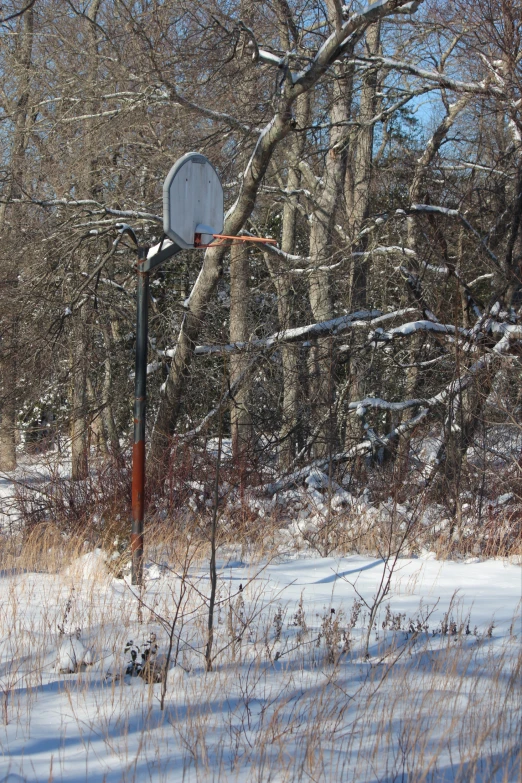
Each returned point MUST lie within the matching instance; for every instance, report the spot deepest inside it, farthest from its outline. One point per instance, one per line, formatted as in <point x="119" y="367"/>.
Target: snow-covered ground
<point x="292" y="696"/>
<point x="317" y="674"/>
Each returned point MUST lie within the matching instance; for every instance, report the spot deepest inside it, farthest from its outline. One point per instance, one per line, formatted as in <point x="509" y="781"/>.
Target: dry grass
<point x="291" y="697"/>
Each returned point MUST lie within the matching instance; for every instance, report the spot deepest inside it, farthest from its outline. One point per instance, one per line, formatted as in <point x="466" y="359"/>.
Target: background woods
<point x="379" y="143"/>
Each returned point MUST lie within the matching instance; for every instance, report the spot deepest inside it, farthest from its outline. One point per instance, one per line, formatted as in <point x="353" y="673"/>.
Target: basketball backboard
<point x="192" y="202"/>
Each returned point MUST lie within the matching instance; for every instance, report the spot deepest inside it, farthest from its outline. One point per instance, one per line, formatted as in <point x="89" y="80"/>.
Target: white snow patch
<point x="92" y="564"/>
<point x="72" y="654"/>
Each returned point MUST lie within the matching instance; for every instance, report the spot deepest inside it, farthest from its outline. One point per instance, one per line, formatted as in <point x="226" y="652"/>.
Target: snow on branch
<point x="375" y="322"/>
<point x="98" y="207"/>
<point x="152" y="367"/>
<point x="454" y="387"/>
<point x="339" y="40"/>
<point x="299" y="270"/>
<point x="290" y="192"/>
<point x="297" y="334"/>
<point x="484" y="87"/>
<point x="132" y="101"/>
<point x="510" y="333"/>
<point x="376" y="402"/>
<point x="386" y="251"/>
<point x="405" y="330"/>
<point x="374" y="10"/>
<point x="361" y="318"/>
<point x="454" y="213"/>
<point x="111" y="283"/>
<point x="435" y="209"/>
<point x="480" y="278"/>
<point x="425" y="267"/>
<point x="368" y="445"/>
<point x="269" y="58"/>
<point x="218" y="116"/>
<point x="55" y="202"/>
<point x="101" y="114"/>
<point x="275" y="251"/>
<point x="376" y="251"/>
<point x="464" y="166"/>
<point x="133" y="213"/>
<point x="309" y="269"/>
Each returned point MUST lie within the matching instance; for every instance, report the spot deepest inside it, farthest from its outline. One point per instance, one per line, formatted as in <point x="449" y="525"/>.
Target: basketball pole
<point x="140" y="400"/>
<point x="192" y="208"/>
<point x="192" y="183"/>
<point x="144" y="266"/>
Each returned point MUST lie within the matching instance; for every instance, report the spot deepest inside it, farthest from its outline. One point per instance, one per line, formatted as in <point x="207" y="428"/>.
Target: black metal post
<point x="145" y="265"/>
<point x="140" y="397"/>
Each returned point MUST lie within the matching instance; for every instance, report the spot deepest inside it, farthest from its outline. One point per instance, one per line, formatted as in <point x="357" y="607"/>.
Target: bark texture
<point x="10" y="228"/>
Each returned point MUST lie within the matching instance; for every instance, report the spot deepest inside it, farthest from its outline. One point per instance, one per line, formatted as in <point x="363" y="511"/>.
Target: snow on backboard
<point x="192" y="198"/>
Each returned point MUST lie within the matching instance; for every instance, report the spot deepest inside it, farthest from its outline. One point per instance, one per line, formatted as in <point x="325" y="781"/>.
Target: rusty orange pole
<point x="140" y="398"/>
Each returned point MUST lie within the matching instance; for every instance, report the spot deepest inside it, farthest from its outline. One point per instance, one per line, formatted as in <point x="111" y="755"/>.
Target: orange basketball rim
<point x="224" y="239"/>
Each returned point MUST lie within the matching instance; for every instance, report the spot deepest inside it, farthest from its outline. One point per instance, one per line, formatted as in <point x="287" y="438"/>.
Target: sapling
<point x="144" y="661"/>
<point x="66" y="612"/>
<point x="213" y="569"/>
<point x="390" y="557"/>
<point x="172" y="626"/>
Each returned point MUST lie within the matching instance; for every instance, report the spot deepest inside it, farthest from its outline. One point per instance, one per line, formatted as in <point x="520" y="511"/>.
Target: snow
<point x="89" y="565"/>
<point x="293" y="695"/>
<point x="333" y="326"/>
<point x="163" y="245"/>
<point x="72" y="655"/>
<point x="67" y="717"/>
<point x="271" y="59"/>
<point x="415" y="326"/>
<point x="317" y="479"/>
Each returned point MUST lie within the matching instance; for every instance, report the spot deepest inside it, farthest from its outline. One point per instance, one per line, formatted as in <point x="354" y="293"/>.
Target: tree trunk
<point x="11" y="235"/>
<point x="96" y="429"/>
<point x="80" y="354"/>
<point x="320" y="358"/>
<point x="362" y="169"/>
<point x="109" y="425"/>
<point x="358" y="204"/>
<point x="79" y="428"/>
<point x="240" y="421"/>
<point x="283" y="286"/>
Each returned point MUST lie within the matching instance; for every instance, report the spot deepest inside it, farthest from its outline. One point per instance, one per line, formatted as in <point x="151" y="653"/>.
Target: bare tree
<point x="11" y="225"/>
<point x="280" y="125"/>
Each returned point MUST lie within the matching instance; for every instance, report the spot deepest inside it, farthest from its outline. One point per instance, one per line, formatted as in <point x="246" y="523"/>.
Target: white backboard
<point x="192" y="198"/>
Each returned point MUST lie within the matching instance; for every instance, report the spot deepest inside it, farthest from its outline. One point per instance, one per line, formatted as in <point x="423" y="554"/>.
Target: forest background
<point x="380" y="145"/>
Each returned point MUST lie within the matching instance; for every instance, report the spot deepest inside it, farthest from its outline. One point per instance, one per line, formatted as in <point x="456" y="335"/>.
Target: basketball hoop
<point x="224" y="239"/>
<point x="192" y="201"/>
<point x="193" y="206"/>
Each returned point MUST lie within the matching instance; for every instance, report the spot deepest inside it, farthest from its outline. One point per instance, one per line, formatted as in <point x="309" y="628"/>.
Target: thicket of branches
<point x="379" y="143"/>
